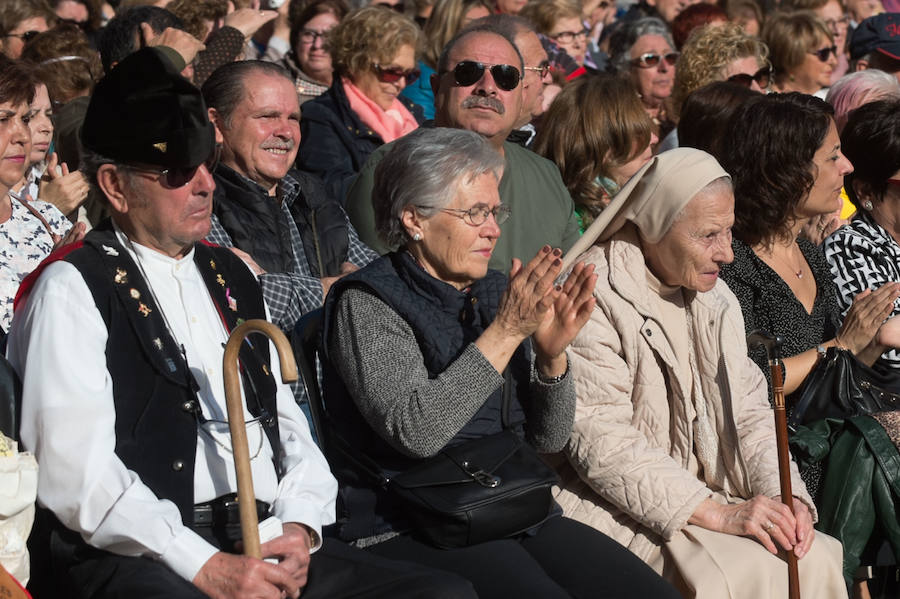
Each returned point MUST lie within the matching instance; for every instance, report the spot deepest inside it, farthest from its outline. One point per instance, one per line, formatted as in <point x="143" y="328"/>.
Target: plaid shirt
<point x="290" y="295"/>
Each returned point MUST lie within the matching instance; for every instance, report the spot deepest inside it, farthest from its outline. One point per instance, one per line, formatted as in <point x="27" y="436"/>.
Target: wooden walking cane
<point x="240" y="450"/>
<point x="773" y="353"/>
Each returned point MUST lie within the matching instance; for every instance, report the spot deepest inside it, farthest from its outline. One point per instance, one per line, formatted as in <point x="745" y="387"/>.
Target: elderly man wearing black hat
<point x="875" y="44"/>
<point x="118" y="341"/>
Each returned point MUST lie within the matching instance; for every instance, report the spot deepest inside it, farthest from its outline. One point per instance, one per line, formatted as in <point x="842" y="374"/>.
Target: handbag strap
<point x="33" y="211"/>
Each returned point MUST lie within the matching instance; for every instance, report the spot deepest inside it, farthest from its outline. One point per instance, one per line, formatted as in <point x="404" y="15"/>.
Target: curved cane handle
<point x="240" y="450"/>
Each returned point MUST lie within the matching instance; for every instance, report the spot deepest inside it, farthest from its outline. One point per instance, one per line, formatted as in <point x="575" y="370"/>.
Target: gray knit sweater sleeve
<point x="375" y="352"/>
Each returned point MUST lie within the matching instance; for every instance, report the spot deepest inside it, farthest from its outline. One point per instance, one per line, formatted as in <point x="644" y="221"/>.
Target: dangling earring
<point x="417" y="237"/>
<point x="867" y="205"/>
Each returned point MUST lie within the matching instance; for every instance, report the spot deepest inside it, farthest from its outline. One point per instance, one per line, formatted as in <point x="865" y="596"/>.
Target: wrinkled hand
<point x="866" y="315"/>
<point x="292" y="551"/>
<point x="348" y="267"/>
<point x="181" y="41"/>
<point x="76" y="233"/>
<point x="569" y="312"/>
<point x="227" y="576"/>
<point x="767" y="520"/>
<point x="248" y="21"/>
<point x="67" y="191"/>
<point x="249" y="261"/>
<point x="889" y="333"/>
<point x="805" y="530"/>
<point x="530" y="293"/>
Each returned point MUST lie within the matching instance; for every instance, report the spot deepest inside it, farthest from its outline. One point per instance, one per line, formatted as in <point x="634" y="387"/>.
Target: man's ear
<point x="216" y="119"/>
<point x="862" y="64"/>
<point x="112" y="184"/>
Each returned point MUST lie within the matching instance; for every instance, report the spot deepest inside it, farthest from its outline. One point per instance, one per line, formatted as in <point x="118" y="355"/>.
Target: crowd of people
<point x="530" y="240"/>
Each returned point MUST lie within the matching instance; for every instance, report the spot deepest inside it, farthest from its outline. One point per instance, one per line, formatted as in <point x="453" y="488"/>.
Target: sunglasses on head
<point x="650" y="60"/>
<point x="823" y="53"/>
<point x="761" y="77"/>
<point x="180" y="176"/>
<point x="394" y="74"/>
<point x="25" y="37"/>
<point x="470" y="72"/>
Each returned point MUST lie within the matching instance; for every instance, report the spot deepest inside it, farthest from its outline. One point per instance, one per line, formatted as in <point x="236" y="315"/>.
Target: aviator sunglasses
<point x="180" y="176"/>
<point x="394" y="74"/>
<point x="470" y="72"/>
<point x="761" y="77"/>
<point x="650" y="60"/>
<point x="823" y="53"/>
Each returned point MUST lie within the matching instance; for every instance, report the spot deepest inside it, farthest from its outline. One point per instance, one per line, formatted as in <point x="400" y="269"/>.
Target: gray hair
<point x="479" y="27"/>
<point x="424" y="169"/>
<point x="621" y="42"/>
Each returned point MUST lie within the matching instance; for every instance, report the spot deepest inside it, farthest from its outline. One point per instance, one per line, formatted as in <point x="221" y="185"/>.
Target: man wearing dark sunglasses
<point x="297" y="236"/>
<point x="478" y="87"/>
<point x="131" y="323"/>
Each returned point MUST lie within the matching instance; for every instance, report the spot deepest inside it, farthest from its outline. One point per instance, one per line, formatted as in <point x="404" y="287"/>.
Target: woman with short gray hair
<point x="644" y="52"/>
<point x="429" y="352"/>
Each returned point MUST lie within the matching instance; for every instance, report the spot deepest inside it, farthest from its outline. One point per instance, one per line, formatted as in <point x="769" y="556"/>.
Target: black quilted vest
<point x="255" y="222"/>
<point x="445" y="321"/>
<point x="156" y="407"/>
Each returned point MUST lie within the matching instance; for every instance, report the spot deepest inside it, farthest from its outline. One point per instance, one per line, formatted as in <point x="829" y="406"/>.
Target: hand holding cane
<point x="240" y="450"/>
<point x="773" y="353"/>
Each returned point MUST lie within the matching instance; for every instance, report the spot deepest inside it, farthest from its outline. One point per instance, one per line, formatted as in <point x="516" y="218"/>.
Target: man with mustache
<point x="279" y="220"/>
<point x="478" y="87"/>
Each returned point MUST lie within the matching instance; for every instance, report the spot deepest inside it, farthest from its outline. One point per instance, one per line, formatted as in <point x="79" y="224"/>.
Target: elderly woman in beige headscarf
<point x="673" y="447"/>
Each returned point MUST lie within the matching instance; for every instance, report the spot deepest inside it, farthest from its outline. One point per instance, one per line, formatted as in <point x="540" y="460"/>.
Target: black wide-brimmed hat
<point x="145" y="112"/>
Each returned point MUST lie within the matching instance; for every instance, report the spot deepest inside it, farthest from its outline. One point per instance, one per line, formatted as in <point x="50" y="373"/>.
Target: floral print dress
<point x="24" y="242"/>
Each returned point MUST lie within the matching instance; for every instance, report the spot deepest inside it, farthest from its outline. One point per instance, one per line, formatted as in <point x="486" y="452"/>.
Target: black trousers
<point x="564" y="559"/>
<point x="336" y="570"/>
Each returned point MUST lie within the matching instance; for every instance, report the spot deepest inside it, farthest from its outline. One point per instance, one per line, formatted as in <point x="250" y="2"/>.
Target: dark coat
<point x="334" y="142"/>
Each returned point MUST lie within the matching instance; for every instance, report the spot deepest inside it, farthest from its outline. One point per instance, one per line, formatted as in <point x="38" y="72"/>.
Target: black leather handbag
<point x="485" y="489"/>
<point x="841" y="386"/>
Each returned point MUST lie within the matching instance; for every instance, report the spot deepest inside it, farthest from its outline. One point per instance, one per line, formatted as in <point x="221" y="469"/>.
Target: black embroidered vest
<point x="157" y="409"/>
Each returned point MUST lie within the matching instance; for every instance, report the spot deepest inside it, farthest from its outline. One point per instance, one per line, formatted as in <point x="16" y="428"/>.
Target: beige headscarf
<point x="652" y="198"/>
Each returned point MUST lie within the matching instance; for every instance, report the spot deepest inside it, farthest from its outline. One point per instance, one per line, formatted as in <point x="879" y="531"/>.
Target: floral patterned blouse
<point x="24" y="242"/>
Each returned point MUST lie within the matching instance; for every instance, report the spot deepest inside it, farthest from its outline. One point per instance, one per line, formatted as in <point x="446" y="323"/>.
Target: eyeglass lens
<point x="394" y="74"/>
<point x="469" y="72"/>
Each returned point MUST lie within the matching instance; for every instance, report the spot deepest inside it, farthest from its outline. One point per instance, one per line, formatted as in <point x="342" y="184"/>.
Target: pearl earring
<point x="417" y="237"/>
<point x="867" y="204"/>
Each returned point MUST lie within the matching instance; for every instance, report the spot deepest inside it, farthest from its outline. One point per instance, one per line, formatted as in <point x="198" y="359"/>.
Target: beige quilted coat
<point x="634" y="433"/>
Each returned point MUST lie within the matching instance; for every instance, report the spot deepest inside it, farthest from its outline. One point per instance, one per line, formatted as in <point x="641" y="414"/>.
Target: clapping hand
<point x="571" y="309"/>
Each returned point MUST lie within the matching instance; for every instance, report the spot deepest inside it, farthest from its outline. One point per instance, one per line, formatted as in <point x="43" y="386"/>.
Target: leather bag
<point x="841" y="387"/>
<point x="482" y="490"/>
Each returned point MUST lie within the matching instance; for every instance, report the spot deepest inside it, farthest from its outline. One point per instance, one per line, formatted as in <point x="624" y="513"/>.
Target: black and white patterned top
<point x="863" y="255"/>
<point x="24" y="242"/>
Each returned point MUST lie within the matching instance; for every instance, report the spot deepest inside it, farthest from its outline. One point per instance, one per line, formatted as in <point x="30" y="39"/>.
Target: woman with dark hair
<point x="866" y="254"/>
<point x="706" y="112"/>
<point x="374" y="55"/>
<point x="784" y="155"/>
<point x="309" y="60"/>
<point x="29" y="230"/>
<point x="596" y="150"/>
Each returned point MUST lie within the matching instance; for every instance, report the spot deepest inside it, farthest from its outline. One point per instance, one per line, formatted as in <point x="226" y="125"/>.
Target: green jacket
<point x="859" y="493"/>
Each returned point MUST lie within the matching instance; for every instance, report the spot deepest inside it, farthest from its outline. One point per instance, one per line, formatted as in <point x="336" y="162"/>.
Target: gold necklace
<point x="797" y="272"/>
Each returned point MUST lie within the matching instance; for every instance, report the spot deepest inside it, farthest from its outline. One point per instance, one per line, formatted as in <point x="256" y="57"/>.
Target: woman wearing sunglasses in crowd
<point x="374" y="55"/>
<point x="21" y="21"/>
<point x="644" y="51"/>
<point x="802" y="52"/>
<point x="720" y="52"/>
